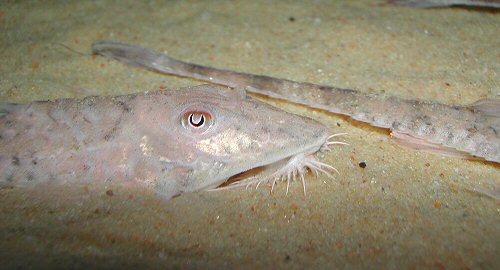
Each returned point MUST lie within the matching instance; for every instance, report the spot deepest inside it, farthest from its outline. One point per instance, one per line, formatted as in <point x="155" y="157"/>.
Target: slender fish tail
<point x="453" y="130"/>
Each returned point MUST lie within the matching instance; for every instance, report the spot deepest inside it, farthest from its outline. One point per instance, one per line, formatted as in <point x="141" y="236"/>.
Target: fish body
<point x="462" y="131"/>
<point x="171" y="141"/>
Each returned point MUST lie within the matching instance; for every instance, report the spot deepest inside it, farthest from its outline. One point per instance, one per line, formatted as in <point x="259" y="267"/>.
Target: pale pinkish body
<point x="169" y="141"/>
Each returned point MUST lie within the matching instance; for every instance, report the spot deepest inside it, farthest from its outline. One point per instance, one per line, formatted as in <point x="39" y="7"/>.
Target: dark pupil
<point x="197" y="122"/>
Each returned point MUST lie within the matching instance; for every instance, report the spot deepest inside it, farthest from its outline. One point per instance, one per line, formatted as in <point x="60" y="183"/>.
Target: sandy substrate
<point x="404" y="210"/>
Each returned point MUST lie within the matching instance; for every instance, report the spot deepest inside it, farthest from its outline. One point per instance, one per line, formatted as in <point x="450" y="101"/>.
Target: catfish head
<point x="196" y="138"/>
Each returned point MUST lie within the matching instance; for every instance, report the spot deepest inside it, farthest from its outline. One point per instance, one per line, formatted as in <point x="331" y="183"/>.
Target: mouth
<point x="289" y="169"/>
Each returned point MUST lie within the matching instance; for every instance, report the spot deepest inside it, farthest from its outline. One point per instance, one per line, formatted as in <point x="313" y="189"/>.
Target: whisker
<point x="258" y="184"/>
<point x="321" y="164"/>
<point x="326" y="173"/>
<point x="317" y="167"/>
<point x="303" y="183"/>
<point x="336" y="135"/>
<point x="336" y="142"/>
<point x="294" y="169"/>
<point x="287" y="185"/>
<point x="314" y="170"/>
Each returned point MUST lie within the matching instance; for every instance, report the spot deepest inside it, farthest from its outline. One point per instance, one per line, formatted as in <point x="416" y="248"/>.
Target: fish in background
<point x="471" y="132"/>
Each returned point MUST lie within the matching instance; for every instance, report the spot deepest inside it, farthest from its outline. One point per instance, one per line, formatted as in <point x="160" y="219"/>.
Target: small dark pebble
<point x="292" y="19"/>
<point x="287" y="258"/>
<point x="338" y="124"/>
<point x="362" y="164"/>
<point x="109" y="192"/>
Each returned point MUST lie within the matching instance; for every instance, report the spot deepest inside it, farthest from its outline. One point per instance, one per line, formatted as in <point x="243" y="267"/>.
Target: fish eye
<point x="197" y="121"/>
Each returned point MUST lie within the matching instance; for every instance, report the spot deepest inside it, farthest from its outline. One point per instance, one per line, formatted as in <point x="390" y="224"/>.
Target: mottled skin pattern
<point x="467" y="132"/>
<point x="140" y="139"/>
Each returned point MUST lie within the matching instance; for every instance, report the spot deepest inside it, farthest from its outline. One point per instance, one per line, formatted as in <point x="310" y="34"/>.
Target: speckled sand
<point x="405" y="210"/>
